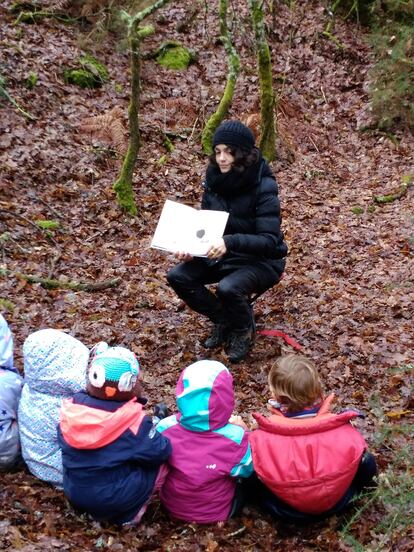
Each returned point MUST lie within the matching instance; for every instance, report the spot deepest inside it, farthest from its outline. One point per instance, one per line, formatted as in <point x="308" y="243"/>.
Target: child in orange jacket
<point x="112" y="456"/>
<point x="309" y="462"/>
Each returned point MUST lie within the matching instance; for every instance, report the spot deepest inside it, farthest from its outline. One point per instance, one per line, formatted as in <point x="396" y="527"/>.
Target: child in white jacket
<point x="54" y="369"/>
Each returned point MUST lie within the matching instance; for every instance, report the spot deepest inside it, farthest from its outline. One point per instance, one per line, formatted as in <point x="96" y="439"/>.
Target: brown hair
<point x="242" y="158"/>
<point x="295" y="382"/>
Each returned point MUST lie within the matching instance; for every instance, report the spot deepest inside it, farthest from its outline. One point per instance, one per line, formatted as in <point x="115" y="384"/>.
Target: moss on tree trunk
<point x="233" y="72"/>
<point x="123" y="186"/>
<point x="267" y="96"/>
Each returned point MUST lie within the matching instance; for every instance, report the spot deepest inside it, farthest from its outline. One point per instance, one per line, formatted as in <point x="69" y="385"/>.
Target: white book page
<point x="188" y="230"/>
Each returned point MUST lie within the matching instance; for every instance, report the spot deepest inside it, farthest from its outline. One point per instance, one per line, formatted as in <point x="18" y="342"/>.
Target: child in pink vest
<point x="209" y="452"/>
<point x="310" y="463"/>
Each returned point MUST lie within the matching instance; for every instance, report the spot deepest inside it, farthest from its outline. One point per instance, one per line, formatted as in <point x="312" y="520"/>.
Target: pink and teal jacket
<point x="208" y="452"/>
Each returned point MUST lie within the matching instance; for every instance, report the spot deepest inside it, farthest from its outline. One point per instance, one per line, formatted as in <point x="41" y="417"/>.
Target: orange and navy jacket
<point x="309" y="463"/>
<point x="111" y="455"/>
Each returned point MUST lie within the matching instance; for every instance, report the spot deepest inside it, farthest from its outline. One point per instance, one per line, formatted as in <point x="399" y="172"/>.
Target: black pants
<point x="259" y="493"/>
<point x="230" y="304"/>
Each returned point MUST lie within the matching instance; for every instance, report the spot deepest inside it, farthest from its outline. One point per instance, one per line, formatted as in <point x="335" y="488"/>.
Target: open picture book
<point x="188" y="230"/>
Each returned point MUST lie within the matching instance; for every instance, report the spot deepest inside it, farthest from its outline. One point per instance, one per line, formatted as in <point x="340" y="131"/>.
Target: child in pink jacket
<point x="309" y="462"/>
<point x="209" y="452"/>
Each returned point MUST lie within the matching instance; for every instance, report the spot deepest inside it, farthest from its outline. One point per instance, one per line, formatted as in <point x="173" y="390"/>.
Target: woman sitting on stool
<point x="250" y="258"/>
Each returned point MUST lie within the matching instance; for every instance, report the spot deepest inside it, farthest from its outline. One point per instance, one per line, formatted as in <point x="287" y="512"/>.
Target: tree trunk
<point x="123" y="186"/>
<point x="233" y="72"/>
<point x="267" y="96"/>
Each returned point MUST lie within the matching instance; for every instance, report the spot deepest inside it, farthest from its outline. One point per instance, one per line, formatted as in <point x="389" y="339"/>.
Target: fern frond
<point x="93" y="7"/>
<point x="59" y="6"/>
<point x="84" y="8"/>
<point x="108" y="127"/>
<point x="54" y="6"/>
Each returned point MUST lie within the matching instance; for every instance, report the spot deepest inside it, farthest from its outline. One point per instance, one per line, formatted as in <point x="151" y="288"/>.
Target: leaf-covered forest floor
<point x="347" y="295"/>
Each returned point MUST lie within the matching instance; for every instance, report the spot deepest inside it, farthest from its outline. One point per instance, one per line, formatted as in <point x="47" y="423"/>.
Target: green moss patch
<point x="357" y="210"/>
<point x="145" y="31"/>
<point x="407" y="179"/>
<point x="90" y="74"/>
<point x="95" y="67"/>
<point x="6" y="304"/>
<point x="48" y="224"/>
<point x="175" y="56"/>
<point x="162" y="160"/>
<point x="80" y="77"/>
<point x="31" y="80"/>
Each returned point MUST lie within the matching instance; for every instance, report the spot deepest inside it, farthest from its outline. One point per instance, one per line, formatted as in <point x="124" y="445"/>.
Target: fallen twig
<point x="52" y="209"/>
<point x="4" y="94"/>
<point x="334" y="39"/>
<point x="58" y="284"/>
<point x="393" y="195"/>
<point x="8" y="237"/>
<point x="13" y="214"/>
<point x="96" y="234"/>
<point x="235" y="533"/>
<point x="314" y="144"/>
<point x="35" y="16"/>
<point x="38" y="228"/>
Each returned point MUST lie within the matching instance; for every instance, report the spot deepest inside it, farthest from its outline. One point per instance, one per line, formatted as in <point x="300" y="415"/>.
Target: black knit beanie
<point x="234" y="133"/>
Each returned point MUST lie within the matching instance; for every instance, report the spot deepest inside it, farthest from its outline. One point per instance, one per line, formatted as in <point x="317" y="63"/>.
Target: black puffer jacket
<point x="253" y="231"/>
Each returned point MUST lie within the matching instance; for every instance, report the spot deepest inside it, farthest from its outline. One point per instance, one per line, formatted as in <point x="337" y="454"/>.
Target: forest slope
<point x="347" y="295"/>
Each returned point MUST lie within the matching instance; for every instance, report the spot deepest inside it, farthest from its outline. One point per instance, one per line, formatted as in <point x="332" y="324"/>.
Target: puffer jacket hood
<point x="55" y="363"/>
<point x="205" y="396"/>
<point x="6" y="345"/>
<point x="83" y="427"/>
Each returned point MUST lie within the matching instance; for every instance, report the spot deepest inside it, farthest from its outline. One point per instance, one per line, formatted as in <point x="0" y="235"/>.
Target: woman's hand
<point x="217" y="250"/>
<point x="183" y="257"/>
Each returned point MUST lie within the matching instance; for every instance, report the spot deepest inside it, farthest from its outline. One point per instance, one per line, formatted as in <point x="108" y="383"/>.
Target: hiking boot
<point x="217" y="337"/>
<point x="161" y="411"/>
<point x="239" y="344"/>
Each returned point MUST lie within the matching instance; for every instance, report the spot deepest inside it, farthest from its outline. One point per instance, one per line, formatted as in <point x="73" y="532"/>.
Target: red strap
<point x="277" y="333"/>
